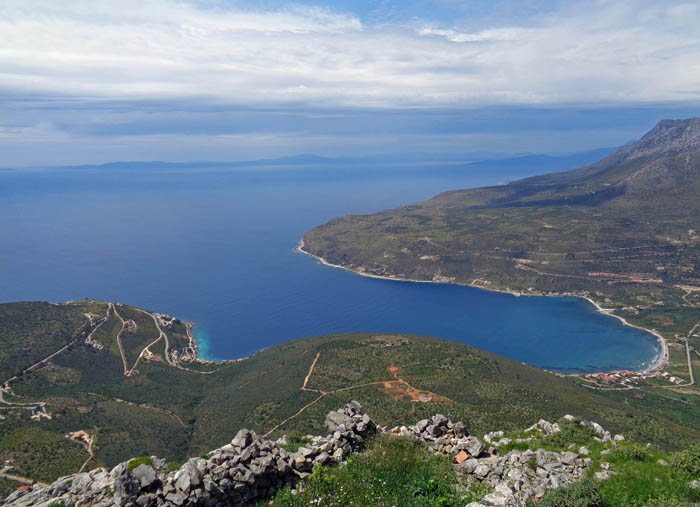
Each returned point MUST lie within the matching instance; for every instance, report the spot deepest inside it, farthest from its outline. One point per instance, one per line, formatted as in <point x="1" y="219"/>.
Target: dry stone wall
<point x="250" y="468"/>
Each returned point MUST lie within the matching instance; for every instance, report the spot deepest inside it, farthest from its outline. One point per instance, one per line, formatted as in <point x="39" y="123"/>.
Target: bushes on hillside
<point x="580" y="494"/>
<point x="631" y="452"/>
<point x="688" y="460"/>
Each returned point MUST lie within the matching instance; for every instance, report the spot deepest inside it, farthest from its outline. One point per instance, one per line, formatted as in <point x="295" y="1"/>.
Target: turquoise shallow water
<point x="218" y="249"/>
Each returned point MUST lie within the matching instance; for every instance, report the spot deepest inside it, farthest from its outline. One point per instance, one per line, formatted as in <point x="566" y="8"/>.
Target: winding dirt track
<point x="119" y="341"/>
<point x="386" y="383"/>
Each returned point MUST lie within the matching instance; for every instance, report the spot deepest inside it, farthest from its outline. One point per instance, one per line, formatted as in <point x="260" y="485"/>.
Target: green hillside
<point x="624" y="231"/>
<point x="176" y="408"/>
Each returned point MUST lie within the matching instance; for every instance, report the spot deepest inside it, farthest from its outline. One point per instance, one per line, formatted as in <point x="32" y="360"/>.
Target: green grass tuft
<point x="141" y="460"/>
<point x="295" y="440"/>
<point x="173" y="466"/>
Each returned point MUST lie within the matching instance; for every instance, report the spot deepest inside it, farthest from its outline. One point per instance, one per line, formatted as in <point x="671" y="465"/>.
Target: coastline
<point x="657" y="363"/>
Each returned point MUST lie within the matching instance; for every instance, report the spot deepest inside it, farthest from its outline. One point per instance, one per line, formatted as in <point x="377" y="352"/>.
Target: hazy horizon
<point x="222" y="80"/>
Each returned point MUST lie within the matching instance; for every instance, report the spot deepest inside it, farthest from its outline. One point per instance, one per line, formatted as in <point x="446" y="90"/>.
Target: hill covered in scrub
<point x="90" y="384"/>
<point x="624" y="231"/>
<point x="433" y="462"/>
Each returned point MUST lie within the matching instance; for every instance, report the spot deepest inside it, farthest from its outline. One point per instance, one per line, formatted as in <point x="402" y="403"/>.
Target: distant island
<point x="622" y="232"/>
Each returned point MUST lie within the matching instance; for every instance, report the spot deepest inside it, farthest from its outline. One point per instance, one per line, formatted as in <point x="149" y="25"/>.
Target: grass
<point x="399" y="471"/>
<point x="141" y="460"/>
<point x="642" y="480"/>
<point x="584" y="493"/>
<point x="173" y="466"/>
<point x="393" y="471"/>
<point x="295" y="440"/>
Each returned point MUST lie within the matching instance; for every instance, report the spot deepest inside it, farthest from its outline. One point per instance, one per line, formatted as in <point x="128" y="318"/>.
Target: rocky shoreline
<point x="250" y="469"/>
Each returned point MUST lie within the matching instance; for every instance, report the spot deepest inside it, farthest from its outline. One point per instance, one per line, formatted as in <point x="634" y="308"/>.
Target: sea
<point x="214" y="245"/>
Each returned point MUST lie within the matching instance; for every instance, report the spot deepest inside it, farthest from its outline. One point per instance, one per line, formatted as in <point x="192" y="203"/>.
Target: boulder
<point x="187" y="478"/>
<point x="473" y="446"/>
<point x="242" y="439"/>
<point x="145" y="474"/>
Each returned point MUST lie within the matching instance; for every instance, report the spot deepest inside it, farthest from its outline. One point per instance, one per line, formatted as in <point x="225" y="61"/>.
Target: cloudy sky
<point x="88" y="81"/>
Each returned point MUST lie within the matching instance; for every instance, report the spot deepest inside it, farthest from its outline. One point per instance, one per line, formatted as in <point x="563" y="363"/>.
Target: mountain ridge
<point x="622" y="231"/>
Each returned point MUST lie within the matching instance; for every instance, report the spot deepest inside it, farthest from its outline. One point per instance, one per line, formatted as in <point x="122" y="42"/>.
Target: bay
<point x="216" y="247"/>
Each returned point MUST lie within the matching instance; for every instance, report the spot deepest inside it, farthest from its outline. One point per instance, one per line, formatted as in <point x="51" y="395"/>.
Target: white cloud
<point x="600" y="52"/>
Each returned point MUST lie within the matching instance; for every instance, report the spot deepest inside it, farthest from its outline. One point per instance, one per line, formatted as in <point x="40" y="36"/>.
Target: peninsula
<point x="622" y="232"/>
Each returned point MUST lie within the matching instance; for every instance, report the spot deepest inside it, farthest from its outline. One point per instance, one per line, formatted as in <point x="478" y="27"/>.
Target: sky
<point x="91" y="81"/>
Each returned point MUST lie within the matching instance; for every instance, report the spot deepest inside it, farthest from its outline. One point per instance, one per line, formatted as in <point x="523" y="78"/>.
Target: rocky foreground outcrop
<point x="251" y="468"/>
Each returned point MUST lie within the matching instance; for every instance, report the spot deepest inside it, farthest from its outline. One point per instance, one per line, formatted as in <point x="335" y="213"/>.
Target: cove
<point x="216" y="247"/>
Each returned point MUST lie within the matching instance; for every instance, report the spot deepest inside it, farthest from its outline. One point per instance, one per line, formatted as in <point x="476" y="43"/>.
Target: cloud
<point x="142" y="49"/>
<point x="198" y="79"/>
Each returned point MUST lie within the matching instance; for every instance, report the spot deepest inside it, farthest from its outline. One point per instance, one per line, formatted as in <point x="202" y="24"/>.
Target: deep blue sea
<point x="216" y="247"/>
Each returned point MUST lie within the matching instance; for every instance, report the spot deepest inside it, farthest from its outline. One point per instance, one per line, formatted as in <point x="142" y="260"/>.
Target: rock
<point x="459" y="429"/>
<point x="694" y="484"/>
<point x="604" y="475"/>
<point x="434" y="430"/>
<point x="322" y="459"/>
<point x="663" y="463"/>
<point x="242" y="439"/>
<point x="569" y="458"/>
<point x="145" y="474"/>
<point x="583" y="451"/>
<point x="597" y="428"/>
<point x="125" y="485"/>
<point x="336" y="419"/>
<point x="482" y="470"/>
<point x="618" y="438"/>
<point x="502" y="495"/>
<point x="175" y="499"/>
<point x="187" y="478"/>
<point x="473" y="446"/>
<point x="469" y="465"/>
<point x="439" y="420"/>
<point x="421" y="425"/>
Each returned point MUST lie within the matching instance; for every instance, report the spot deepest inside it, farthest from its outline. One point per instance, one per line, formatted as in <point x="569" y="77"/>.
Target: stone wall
<point x="250" y="468"/>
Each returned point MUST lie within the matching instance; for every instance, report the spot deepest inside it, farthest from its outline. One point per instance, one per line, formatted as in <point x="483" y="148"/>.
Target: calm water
<point x="217" y="249"/>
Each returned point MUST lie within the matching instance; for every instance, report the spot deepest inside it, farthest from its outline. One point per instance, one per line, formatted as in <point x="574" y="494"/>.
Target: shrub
<point x="669" y="502"/>
<point x="141" y="460"/>
<point x="688" y="460"/>
<point x="571" y="433"/>
<point x="580" y="494"/>
<point x="631" y="452"/>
